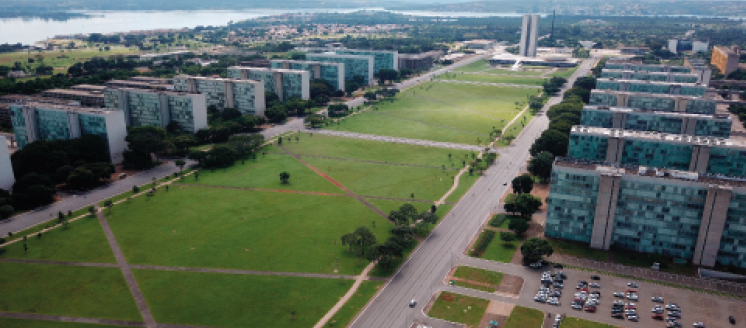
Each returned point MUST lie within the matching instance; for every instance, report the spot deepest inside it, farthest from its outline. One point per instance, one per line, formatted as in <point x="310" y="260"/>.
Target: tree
<point x="321" y="100"/>
<point x="81" y="178"/>
<point x="552" y="141"/>
<point x="371" y="96"/>
<point x="588" y="83"/>
<point x="534" y="248"/>
<point x="284" y="177"/>
<point x="387" y="74"/>
<point x="315" y="120"/>
<point x="507" y="236"/>
<point x="245" y="145"/>
<point x="518" y="226"/>
<point x="180" y="164"/>
<point x="142" y="142"/>
<point x="525" y="204"/>
<point x="541" y="165"/>
<point x="220" y="156"/>
<point x="523" y="184"/>
<point x="276" y="113"/>
<point x="349" y="240"/>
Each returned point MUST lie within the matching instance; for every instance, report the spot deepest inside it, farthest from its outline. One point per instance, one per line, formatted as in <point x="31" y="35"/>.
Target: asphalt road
<point x="421" y="275"/>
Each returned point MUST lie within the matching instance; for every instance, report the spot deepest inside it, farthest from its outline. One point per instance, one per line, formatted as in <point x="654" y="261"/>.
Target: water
<point x="31" y="30"/>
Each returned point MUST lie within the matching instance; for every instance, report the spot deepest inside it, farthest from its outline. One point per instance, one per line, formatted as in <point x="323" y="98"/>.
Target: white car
<point x="657" y="299"/>
<point x="632" y="296"/>
<point x="699" y="325"/>
<point x="632" y="284"/>
<point x="632" y="318"/>
<point x="618" y="294"/>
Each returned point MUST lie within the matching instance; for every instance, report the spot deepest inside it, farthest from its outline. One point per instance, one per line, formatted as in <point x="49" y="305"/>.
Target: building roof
<point x="264" y="69"/>
<point x="76" y="109"/>
<point x="645" y="72"/>
<point x="158" y="80"/>
<point x="306" y="62"/>
<point x="656" y="95"/>
<point x="88" y="87"/>
<point x="81" y="93"/>
<point x="724" y="117"/>
<point x="162" y="92"/>
<point x="217" y="79"/>
<point x="644" y="171"/>
<point x="658" y="137"/>
<point x="650" y="82"/>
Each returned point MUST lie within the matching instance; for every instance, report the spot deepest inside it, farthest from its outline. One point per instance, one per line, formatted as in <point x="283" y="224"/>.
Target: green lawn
<point x="465" y="182"/>
<point x="504" y="71"/>
<point x="221" y="228"/>
<point x="570" y="322"/>
<point x="25" y="323"/>
<point x="565" y="73"/>
<point x="515" y="129"/>
<point x="476" y="66"/>
<point x="368" y="179"/>
<point x="61" y="59"/>
<point x="66" y="290"/>
<point x="459" y="308"/>
<point x="667" y="264"/>
<point x="486" y="78"/>
<point x="444" y="112"/>
<point x="505" y="220"/>
<point x="349" y="148"/>
<point x="264" y="172"/>
<point x="386" y="206"/>
<point x="224" y="300"/>
<point x="523" y="317"/>
<point x="578" y="250"/>
<point x="500" y="251"/>
<point x="348" y="311"/>
<point x="479" y="275"/>
<point x="80" y="241"/>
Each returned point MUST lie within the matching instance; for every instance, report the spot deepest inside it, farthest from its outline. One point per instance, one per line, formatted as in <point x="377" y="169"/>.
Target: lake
<point x="31" y="30"/>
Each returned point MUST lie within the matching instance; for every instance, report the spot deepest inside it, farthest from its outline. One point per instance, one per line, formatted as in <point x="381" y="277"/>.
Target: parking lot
<point x="712" y="310"/>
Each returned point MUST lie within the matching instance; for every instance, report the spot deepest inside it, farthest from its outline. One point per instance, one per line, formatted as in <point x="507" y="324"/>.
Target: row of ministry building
<point x="653" y="168"/>
<point x="108" y="110"/>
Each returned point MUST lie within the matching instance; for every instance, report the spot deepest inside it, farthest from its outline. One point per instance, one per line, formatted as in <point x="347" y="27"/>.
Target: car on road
<point x="699" y="325"/>
<point x="618" y="294"/>
<point x="657" y="299"/>
<point x="412" y="303"/>
<point x="595" y="277"/>
<point x="632" y="284"/>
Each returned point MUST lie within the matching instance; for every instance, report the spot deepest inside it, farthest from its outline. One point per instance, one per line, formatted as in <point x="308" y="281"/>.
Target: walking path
<point x="495" y="84"/>
<point x="358" y="281"/>
<point x="369" y="161"/>
<point x="142" y="305"/>
<point x="417" y="142"/>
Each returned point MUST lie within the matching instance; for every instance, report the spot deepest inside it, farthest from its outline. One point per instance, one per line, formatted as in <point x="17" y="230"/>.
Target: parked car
<point x="699" y="325"/>
<point x="595" y="277"/>
<point x="590" y="308"/>
<point x="618" y="294"/>
<point x="595" y="285"/>
<point x="673" y="324"/>
<point x="617" y="315"/>
<point x="632" y="296"/>
<point x="632" y="318"/>
<point x="670" y="306"/>
<point x="558" y="266"/>
<point x="658" y="316"/>
<point x="657" y="299"/>
<point x="674" y="315"/>
<point x="632" y="284"/>
<point x="577" y="307"/>
<point x="732" y="320"/>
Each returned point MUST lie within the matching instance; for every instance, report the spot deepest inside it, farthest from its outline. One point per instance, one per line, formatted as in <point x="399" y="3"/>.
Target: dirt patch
<point x="447" y="297"/>
<point x="510" y="285"/>
<point x="496" y="311"/>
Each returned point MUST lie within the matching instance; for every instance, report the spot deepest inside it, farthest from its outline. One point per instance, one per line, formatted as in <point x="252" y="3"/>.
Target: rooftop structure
<point x="138" y="85"/>
<point x="43" y="121"/>
<point x="480" y="44"/>
<point x="698" y="76"/>
<point x="684" y="45"/>
<point x="726" y="59"/>
<point x="653" y="102"/>
<point x="159" y="108"/>
<point x="334" y="73"/>
<point x="7" y="178"/>
<point x="286" y="83"/>
<point x="247" y="96"/>
<point x="675" y="151"/>
<point x="638" y="51"/>
<point x="708" y="125"/>
<point x="88" y="87"/>
<point x="671" y="88"/>
<point x="153" y="80"/>
<point x="355" y="65"/>
<point x="86" y="98"/>
<point x="529" y="36"/>
<point x="551" y="61"/>
<point x="627" y="65"/>
<point x="679" y="214"/>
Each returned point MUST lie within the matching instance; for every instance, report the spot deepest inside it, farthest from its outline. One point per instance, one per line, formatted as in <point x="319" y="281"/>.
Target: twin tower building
<point x="184" y="99"/>
<point x="653" y="169"/>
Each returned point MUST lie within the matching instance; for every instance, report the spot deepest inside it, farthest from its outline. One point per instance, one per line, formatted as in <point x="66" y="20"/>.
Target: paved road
<point x="397" y="140"/>
<point x="423" y="272"/>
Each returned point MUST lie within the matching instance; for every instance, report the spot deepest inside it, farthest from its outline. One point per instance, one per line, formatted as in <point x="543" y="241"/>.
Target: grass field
<point x="459" y="308"/>
<point x="570" y="322"/>
<point x="486" y="78"/>
<point x="221" y="300"/>
<point x="515" y="129"/>
<point x="500" y="251"/>
<point x="25" y="323"/>
<point x="476" y="66"/>
<point x="512" y="72"/>
<point x="464" y="183"/>
<point x="446" y="112"/>
<point x="479" y="275"/>
<point x="81" y="241"/>
<point x="523" y="317"/>
<point x="59" y="58"/>
<point x="566" y="73"/>
<point x="363" y="294"/>
<point x="221" y="228"/>
<point x="578" y="250"/>
<point x="66" y="290"/>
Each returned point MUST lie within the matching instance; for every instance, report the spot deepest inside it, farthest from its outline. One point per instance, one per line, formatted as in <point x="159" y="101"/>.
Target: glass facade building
<point x="37" y="121"/>
<point x="383" y="59"/>
<point x="718" y="126"/>
<point x="650" y="76"/>
<point x="159" y="108"/>
<point x="355" y="65"/>
<point x="334" y="73"/>
<point x="653" y="102"/>
<point x="245" y="95"/>
<point x="285" y="83"/>
<point x="671" y="88"/>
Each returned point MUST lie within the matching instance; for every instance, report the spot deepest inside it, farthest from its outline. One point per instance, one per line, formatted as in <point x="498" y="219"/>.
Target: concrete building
<point x="671" y="88"/>
<point x="381" y="58"/>
<point x="685" y="45"/>
<point x="355" y="65"/>
<point x="636" y="51"/>
<point x="709" y="155"/>
<point x="159" y="108"/>
<point x="7" y="178"/>
<point x="480" y="44"/>
<point x="334" y="73"/>
<point x="653" y="102"/>
<point x="245" y="95"/>
<point x="685" y="215"/>
<point x="6" y="100"/>
<point x="550" y="61"/>
<point x="256" y="63"/>
<point x="706" y="125"/>
<point x="286" y="83"/>
<point x="626" y="65"/>
<point x="86" y="98"/>
<point x="726" y="59"/>
<point x="139" y="85"/>
<point x="160" y="57"/>
<point x="698" y="76"/>
<point x="529" y="36"/>
<point x="419" y="61"/>
<point x="39" y="121"/>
